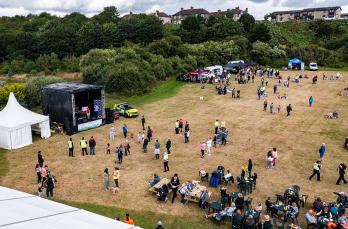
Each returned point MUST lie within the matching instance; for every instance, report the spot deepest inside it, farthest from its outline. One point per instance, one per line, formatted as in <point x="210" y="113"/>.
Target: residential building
<point x="183" y="13"/>
<point x="308" y="14"/>
<point x="235" y="13"/>
<point x="165" y="18"/>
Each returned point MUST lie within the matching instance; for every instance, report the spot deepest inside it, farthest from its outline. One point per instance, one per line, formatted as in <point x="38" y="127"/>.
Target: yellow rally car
<point x="126" y="110"/>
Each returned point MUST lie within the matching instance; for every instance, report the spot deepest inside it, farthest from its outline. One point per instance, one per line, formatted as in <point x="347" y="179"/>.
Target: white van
<point x="313" y="66"/>
<point x="214" y="70"/>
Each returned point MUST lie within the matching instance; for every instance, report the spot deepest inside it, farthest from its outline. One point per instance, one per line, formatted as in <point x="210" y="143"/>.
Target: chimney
<point x="191" y="7"/>
<point x="182" y="8"/>
<point x="246" y="10"/>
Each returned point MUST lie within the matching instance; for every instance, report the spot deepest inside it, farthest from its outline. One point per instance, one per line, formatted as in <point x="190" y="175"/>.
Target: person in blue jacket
<point x="125" y="130"/>
<point x="322" y="151"/>
<point x="310" y="100"/>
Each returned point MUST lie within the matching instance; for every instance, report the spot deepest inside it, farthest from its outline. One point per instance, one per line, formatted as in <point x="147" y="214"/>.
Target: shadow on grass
<point x="165" y="90"/>
<point x="147" y="219"/>
<point x="4" y="166"/>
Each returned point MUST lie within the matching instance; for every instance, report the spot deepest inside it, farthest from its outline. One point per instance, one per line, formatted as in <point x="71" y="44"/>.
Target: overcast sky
<point x="258" y="8"/>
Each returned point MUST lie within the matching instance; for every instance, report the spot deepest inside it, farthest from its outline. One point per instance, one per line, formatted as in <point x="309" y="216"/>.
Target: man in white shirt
<point x="209" y="144"/>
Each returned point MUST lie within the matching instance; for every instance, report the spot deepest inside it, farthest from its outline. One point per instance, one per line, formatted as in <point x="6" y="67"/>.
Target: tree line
<point x="128" y="54"/>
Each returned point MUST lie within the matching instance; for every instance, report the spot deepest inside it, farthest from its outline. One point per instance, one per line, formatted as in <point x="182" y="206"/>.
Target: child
<point x="108" y="148"/>
<point x="39" y="191"/>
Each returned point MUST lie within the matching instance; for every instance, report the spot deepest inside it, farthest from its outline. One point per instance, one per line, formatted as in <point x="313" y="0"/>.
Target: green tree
<point x="48" y="63"/>
<point x="260" y="32"/>
<point x="89" y="37"/>
<point x="192" y="29"/>
<point x="108" y="15"/>
<point x="248" y="21"/>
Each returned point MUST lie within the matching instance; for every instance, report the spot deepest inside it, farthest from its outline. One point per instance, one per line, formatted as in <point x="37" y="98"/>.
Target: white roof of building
<point x="19" y="210"/>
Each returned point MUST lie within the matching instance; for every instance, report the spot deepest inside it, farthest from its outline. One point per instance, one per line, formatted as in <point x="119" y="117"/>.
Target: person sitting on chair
<point x="203" y="199"/>
<point x="203" y="175"/>
<point x="162" y="193"/>
<point x="155" y="180"/>
<point x="292" y="213"/>
<point x="228" y="177"/>
<point x="311" y="219"/>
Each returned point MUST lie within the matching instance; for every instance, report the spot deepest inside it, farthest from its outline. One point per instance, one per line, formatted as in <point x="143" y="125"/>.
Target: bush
<point x="33" y="89"/>
<point x="17" y="89"/>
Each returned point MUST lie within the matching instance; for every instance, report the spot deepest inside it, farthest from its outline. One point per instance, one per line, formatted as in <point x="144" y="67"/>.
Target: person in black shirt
<point x="143" y="121"/>
<point x="168" y="145"/>
<point x="40" y="159"/>
<point x="175" y="185"/>
<point x="288" y="109"/>
<point x="341" y="170"/>
<point x="146" y="142"/>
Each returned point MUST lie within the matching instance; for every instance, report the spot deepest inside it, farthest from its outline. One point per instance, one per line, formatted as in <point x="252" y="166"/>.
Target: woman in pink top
<point x="203" y="147"/>
<point x="274" y="155"/>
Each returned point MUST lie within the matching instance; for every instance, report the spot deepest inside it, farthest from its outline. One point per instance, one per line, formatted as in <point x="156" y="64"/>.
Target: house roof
<point x="307" y="10"/>
<point x="72" y="87"/>
<point x="222" y="13"/>
<point x="192" y="11"/>
<point x="160" y="14"/>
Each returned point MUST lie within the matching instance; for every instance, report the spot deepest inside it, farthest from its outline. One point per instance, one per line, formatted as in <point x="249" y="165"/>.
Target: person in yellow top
<point x="71" y="147"/>
<point x="128" y="220"/>
<point x="165" y="162"/>
<point x="83" y="144"/>
<point x="116" y="176"/>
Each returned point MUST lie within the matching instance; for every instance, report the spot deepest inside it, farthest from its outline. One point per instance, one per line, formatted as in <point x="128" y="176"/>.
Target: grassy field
<point x="165" y="90"/>
<point x="144" y="219"/>
<point x="252" y="133"/>
<point x="4" y="167"/>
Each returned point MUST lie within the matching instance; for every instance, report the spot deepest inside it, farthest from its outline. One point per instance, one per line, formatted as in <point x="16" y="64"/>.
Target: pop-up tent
<point x="296" y="64"/>
<point x="16" y="124"/>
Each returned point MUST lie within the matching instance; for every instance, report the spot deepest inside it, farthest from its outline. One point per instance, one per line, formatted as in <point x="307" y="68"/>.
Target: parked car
<point x="126" y="110"/>
<point x="313" y="66"/>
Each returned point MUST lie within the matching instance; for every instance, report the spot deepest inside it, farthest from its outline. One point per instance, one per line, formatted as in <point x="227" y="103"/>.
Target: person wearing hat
<point x="159" y="225"/>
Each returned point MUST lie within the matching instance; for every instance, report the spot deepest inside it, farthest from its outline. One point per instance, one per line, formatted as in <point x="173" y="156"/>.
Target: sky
<point x="257" y="8"/>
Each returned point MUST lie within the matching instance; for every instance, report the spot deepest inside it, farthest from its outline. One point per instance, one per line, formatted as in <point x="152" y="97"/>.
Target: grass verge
<point x="147" y="219"/>
<point x="165" y="90"/>
<point x="4" y="167"/>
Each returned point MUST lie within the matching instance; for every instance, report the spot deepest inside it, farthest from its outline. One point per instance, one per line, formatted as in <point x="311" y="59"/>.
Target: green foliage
<point x="248" y="21"/>
<point x="260" y="32"/>
<point x="48" y="63"/>
<point x="16" y="88"/>
<point x="4" y="163"/>
<point x="108" y="15"/>
<point x="264" y="54"/>
<point x="224" y="27"/>
<point x="33" y="88"/>
<point x="192" y="29"/>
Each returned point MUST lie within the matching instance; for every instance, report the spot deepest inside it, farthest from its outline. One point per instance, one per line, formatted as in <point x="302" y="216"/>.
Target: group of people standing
<point x="45" y="179"/>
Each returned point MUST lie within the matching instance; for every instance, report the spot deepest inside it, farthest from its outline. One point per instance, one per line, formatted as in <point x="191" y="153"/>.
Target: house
<point x="166" y="19"/>
<point x="183" y="13"/>
<point x="235" y="13"/>
<point x="308" y="14"/>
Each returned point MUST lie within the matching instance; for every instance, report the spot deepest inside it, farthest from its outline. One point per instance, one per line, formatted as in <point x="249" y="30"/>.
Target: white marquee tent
<point x="19" y="210"/>
<point x="16" y="125"/>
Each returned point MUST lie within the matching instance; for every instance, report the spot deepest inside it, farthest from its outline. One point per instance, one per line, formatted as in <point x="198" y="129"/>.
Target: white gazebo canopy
<point x="16" y="125"/>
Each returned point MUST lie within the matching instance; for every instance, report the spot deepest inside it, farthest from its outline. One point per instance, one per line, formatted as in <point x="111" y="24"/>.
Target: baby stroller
<point x="162" y="193"/>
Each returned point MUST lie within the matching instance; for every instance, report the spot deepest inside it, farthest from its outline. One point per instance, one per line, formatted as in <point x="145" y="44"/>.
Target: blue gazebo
<point x="296" y="64"/>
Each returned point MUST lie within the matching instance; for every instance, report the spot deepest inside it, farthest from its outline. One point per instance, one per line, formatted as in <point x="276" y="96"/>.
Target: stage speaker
<point x="109" y="116"/>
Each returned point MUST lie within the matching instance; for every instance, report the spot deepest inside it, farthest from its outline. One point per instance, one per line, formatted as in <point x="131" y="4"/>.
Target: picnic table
<point x="195" y="194"/>
<point x="163" y="181"/>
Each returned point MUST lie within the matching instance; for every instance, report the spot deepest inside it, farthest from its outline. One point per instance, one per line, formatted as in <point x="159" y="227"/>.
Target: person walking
<point x="203" y="147"/>
<point x="157" y="149"/>
<point x="322" y="150"/>
<point x="49" y="187"/>
<point x="209" y="144"/>
<point x="126" y="146"/>
<point x="149" y="133"/>
<point x="275" y="88"/>
<point x="271" y="108"/>
<point x="250" y="167"/>
<point x="40" y="159"/>
<point x="187" y="136"/>
<point x="279" y="107"/>
<point x="108" y="151"/>
<point x="116" y="176"/>
<point x="168" y="145"/>
<point x="175" y="182"/>
<point x="177" y="127"/>
<point x="310" y="101"/>
<point x="145" y="144"/>
<point x="166" y="162"/>
<point x="233" y="93"/>
<point x="119" y="152"/>
<point x="265" y="105"/>
<point x="83" y="144"/>
<point x="316" y="170"/>
<point x="125" y="130"/>
<point x="216" y="125"/>
<point x="181" y="124"/>
<point x="112" y="133"/>
<point x="38" y="173"/>
<point x="106" y="182"/>
<point x="143" y="122"/>
<point x="341" y="171"/>
<point x="274" y="155"/>
<point x="71" y="147"/>
<point x="91" y="144"/>
<point x="288" y="109"/>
